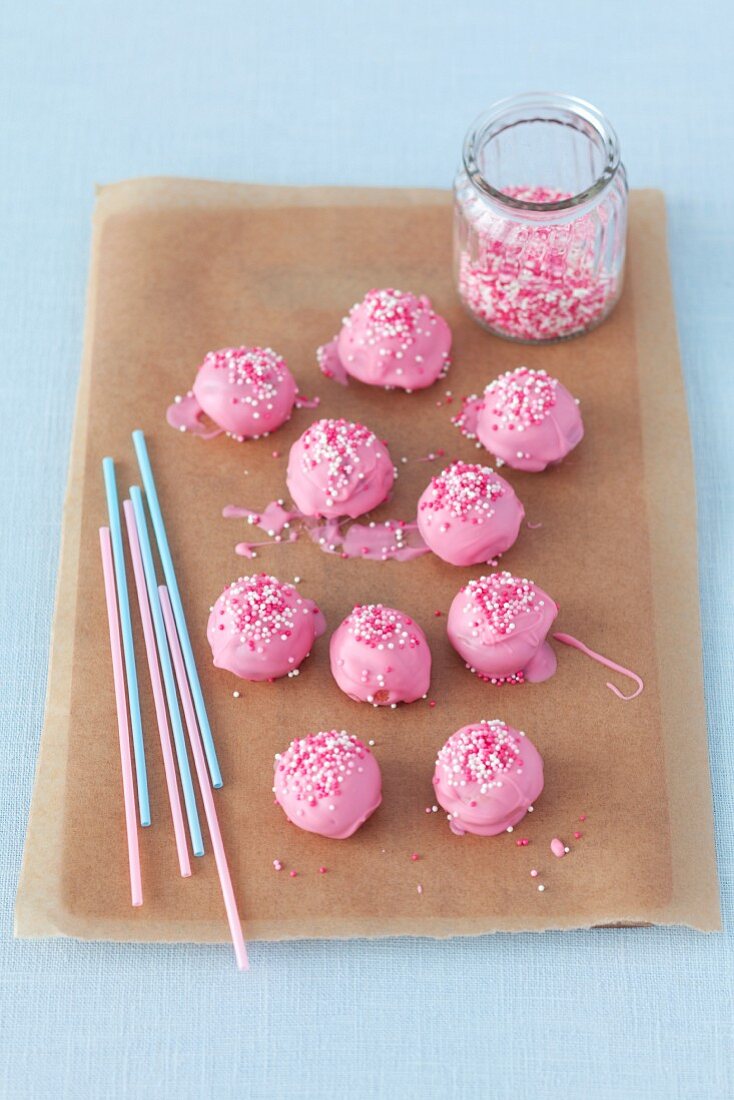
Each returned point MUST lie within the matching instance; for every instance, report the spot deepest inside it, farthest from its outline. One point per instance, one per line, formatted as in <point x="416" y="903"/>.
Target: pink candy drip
<point x="316" y="766"/>
<point x="534" y="281"/>
<point x="186" y="415"/>
<point x="330" y="365"/>
<point x="568" y="639"/>
<point x="392" y="540"/>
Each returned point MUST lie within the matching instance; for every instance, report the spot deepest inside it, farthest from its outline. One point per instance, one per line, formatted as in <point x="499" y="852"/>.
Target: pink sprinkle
<point x="558" y="848"/>
<point x="533" y="873"/>
<point x="577" y="836"/>
<point x="323" y="870"/>
<point x="438" y="614"/>
<point x="277" y="865"/>
<point x="415" y="856"/>
<point x="431" y="703"/>
<point x="582" y="817"/>
<point x="529" y="282"/>
<point x="276" y="454"/>
<point x="524" y="842"/>
<point x="518" y="843"/>
<point x="293" y="874"/>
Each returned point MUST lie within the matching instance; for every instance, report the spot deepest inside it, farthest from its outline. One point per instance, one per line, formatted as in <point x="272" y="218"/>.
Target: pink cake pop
<point x="389" y="339"/>
<point x="248" y="392"/>
<point x="328" y="783"/>
<point x="526" y="418"/>
<point x="469" y="514"/>
<point x="261" y="628"/>
<point x="337" y="468"/>
<point x="380" y="656"/>
<point x="498" y="624"/>
<point x="487" y="776"/>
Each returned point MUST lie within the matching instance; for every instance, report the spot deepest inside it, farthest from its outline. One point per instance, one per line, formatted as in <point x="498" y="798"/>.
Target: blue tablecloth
<point x="372" y="93"/>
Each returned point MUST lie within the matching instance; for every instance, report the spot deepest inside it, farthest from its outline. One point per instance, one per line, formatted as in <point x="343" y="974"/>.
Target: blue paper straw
<point x="169" y="680"/>
<point x="118" y="554"/>
<point x="169" y="572"/>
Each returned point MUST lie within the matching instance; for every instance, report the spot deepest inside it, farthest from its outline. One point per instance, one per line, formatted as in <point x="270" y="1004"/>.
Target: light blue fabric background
<point x="372" y="93"/>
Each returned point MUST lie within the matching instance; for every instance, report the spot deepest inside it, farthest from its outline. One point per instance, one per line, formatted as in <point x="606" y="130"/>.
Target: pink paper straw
<point x="230" y="904"/>
<point x="118" y="670"/>
<point x="164" y="732"/>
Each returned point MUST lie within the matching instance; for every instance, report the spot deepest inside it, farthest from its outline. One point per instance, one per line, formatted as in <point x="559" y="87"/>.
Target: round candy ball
<point x="328" y="783"/>
<point x="380" y="656"/>
<point x="528" y="419"/>
<point x="487" y="776"/>
<point x="469" y="514"/>
<point x="498" y="624"/>
<point x="247" y="391"/>
<point x="261" y="628"/>
<point x="337" y="468"/>
<point x="391" y="339"/>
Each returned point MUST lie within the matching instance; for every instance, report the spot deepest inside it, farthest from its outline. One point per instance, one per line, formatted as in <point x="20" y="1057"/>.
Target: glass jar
<point x="540" y="218"/>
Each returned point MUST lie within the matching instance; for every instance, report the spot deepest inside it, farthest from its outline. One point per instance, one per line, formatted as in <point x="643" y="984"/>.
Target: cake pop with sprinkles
<point x="391" y="339"/>
<point x="337" y="468"/>
<point x="328" y="783"/>
<point x="525" y="418"/>
<point x="498" y="624"/>
<point x="381" y="656"/>
<point x="469" y="514"/>
<point x="488" y="775"/>
<point x="248" y="392"/>
<point x="261" y="628"/>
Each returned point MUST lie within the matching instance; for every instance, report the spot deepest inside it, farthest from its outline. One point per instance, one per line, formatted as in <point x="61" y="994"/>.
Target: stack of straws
<point x="170" y="663"/>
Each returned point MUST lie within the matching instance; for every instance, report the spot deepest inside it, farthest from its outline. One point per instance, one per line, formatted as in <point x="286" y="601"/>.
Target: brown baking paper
<point x="181" y="267"/>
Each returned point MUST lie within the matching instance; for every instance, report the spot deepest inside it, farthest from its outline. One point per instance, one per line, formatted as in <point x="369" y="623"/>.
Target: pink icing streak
<point x="391" y="540"/>
<point x="327" y="783"/>
<point x="568" y="639"/>
<point x="185" y="415"/>
<point x="533" y="281"/>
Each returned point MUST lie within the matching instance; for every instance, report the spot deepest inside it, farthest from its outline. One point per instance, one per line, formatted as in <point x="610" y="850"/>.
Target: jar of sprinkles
<point x="540" y="218"/>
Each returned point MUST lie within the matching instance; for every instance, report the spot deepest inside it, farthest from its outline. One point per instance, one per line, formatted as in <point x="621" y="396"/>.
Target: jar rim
<point x="499" y="111"/>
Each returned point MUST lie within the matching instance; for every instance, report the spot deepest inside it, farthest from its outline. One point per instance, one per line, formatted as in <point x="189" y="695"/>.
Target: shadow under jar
<point x="540" y="218"/>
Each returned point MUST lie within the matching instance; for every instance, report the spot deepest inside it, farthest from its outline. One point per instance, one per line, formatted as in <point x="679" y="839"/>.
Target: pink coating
<point x="568" y="639"/>
<point x="337" y="468"/>
<point x="261" y="628"/>
<point x="498" y="624"/>
<point x="381" y="656"/>
<point x="487" y="775"/>
<point x="247" y="391"/>
<point x="469" y="514"/>
<point x="390" y="339"/>
<point x="525" y="418"/>
<point x="328" y="783"/>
